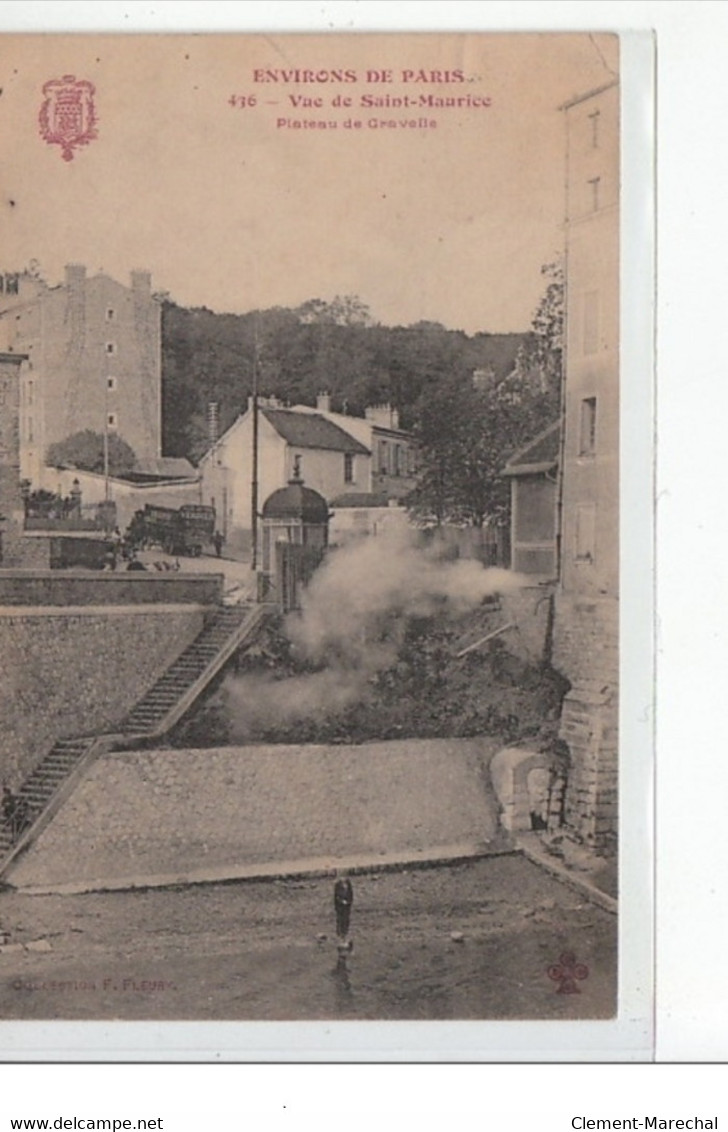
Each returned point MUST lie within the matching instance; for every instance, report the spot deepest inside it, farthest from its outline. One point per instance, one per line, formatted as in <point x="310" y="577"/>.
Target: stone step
<point x="50" y="777"/>
<point x="36" y="800"/>
<point x="43" y="769"/>
<point x="64" y="767"/>
<point x="36" y="782"/>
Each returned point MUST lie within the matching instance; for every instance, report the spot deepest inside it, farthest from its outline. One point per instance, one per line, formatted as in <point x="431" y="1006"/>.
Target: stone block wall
<point x="23" y="552"/>
<point x="93" y="587"/>
<point x="169" y="813"/>
<point x="586" y="651"/>
<point x="67" y="672"/>
<point x="529" y="607"/>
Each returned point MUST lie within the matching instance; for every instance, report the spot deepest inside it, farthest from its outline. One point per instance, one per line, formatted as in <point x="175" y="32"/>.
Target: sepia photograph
<point x="309" y="527"/>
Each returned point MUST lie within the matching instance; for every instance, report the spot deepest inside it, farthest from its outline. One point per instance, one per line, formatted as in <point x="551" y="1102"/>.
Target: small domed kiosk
<point x="295" y="535"/>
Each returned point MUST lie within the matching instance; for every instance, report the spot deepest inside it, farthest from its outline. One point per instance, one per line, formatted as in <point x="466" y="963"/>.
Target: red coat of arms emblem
<point x="68" y="115"/>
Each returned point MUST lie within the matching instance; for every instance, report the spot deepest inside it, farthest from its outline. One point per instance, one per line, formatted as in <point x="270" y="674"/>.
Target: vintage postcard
<point x="310" y="361"/>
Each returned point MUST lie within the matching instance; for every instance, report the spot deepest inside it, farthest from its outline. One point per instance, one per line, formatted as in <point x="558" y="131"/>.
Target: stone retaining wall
<point x="92" y="587"/>
<point x="77" y="671"/>
<point x="141" y="814"/>
<point x="586" y="651"/>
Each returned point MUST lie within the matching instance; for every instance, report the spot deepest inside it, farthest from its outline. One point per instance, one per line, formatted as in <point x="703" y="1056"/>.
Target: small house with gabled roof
<point x="331" y="462"/>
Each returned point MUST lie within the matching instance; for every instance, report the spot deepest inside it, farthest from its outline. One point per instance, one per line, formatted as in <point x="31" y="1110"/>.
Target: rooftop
<point x="311" y="430"/>
<point x="539" y="455"/>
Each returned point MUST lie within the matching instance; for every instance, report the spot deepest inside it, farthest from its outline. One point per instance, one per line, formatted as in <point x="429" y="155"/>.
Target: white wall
<point x="226" y="471"/>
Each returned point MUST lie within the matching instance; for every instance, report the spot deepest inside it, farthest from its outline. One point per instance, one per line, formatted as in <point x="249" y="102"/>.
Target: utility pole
<point x="107" y="486"/>
<point x="254" y="475"/>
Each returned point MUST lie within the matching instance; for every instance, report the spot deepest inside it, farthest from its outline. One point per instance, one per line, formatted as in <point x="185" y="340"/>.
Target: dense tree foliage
<point x="319" y="347"/>
<point x="472" y="400"/>
<point x="85" y="450"/>
<point x="469" y="428"/>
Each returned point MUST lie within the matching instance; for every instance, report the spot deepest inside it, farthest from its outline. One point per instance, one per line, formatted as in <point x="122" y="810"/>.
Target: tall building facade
<point x="587" y="601"/>
<point x="94" y="360"/>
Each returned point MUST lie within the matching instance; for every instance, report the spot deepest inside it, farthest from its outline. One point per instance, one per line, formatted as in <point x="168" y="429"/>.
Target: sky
<point x="231" y="210"/>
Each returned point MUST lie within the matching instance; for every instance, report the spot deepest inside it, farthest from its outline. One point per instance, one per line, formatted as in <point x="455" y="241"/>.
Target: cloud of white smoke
<point x="363" y="592"/>
<point x="353" y="619"/>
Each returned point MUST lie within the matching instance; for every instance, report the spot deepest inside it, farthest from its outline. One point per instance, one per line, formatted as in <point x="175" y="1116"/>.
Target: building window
<point x="348" y="467"/>
<point x="2" y="284"/>
<point x="398" y="460"/>
<point x="591" y="322"/>
<point x="111" y="420"/>
<point x="109" y="314"/>
<point x="30" y="430"/>
<point x="383" y="458"/>
<point x="594" y="119"/>
<point x="12" y="284"/>
<point x="110" y="347"/>
<point x="588" y="427"/>
<point x="594" y="182"/>
<point x="585" y="532"/>
<point x="30" y="392"/>
<point x="111" y="384"/>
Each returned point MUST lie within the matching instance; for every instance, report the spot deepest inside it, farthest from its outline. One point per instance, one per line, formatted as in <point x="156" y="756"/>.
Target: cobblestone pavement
<point x="472" y="941"/>
<point x="138" y="814"/>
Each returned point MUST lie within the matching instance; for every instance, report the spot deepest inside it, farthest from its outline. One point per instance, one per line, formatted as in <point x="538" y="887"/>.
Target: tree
<point x="318" y="347"/>
<point x="467" y="431"/>
<point x="542" y="355"/>
<point x="85" y="450"/>
<point x="343" y="310"/>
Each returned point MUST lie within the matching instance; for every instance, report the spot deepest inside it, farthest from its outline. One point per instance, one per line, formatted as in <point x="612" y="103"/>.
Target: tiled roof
<point x="310" y="430"/>
<point x="539" y="455"/>
<point x="168" y="466"/>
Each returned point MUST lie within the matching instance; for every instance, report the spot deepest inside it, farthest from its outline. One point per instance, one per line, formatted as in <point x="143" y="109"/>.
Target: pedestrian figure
<point x="343" y="900"/>
<point x="21" y="817"/>
<point x="8" y="805"/>
<point x="218" y="540"/>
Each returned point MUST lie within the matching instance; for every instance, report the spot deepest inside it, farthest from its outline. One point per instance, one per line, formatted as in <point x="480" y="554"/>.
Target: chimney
<point x="141" y="281"/>
<point x="76" y="302"/>
<point x="75" y="276"/>
<point x="323" y="402"/>
<point x="383" y="415"/>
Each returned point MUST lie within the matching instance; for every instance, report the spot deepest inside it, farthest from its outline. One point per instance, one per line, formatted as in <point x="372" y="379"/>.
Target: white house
<point x="332" y="461"/>
<point x="394" y="452"/>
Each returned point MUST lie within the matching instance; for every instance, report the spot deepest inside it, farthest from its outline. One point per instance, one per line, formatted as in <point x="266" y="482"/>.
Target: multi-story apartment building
<point x="94" y="360"/>
<point x="586" y="611"/>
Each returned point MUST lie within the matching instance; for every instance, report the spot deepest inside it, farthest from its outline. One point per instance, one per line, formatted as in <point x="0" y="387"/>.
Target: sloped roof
<point x="296" y="502"/>
<point x="171" y="467"/>
<point x="539" y="455"/>
<point x="311" y="430"/>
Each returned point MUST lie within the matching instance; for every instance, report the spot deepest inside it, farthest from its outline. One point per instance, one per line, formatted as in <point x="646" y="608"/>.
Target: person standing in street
<point x="343" y="901"/>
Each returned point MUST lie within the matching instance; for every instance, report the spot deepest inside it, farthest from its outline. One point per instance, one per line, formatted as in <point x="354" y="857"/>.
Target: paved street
<point x="256" y="950"/>
<point x="239" y="578"/>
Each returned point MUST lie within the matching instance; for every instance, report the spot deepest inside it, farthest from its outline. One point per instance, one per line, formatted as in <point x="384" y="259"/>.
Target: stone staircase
<point x="175" y="692"/>
<point x="56" y="775"/>
<point x="54" y="771"/>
